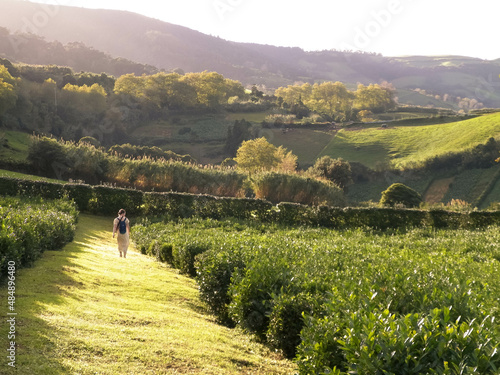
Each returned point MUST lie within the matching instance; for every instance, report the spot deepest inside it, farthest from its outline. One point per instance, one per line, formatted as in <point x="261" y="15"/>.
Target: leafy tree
<point x="256" y="92"/>
<point x="332" y="100"/>
<point x="258" y="155"/>
<point x="131" y="85"/>
<point x="288" y="161"/>
<point x="169" y="91"/>
<point x="294" y="94"/>
<point x="336" y="170"/>
<point x="236" y="134"/>
<point x="107" y="82"/>
<point x="86" y="99"/>
<point x="90" y="140"/>
<point x="8" y="94"/>
<point x="175" y="91"/>
<point x="400" y="194"/>
<point x="374" y="98"/>
<point x="48" y="158"/>
<point x="212" y="89"/>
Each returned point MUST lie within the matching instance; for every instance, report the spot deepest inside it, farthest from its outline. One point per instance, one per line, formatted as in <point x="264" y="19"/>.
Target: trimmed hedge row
<point x="103" y="200"/>
<point x="106" y="200"/>
<point x="28" y="227"/>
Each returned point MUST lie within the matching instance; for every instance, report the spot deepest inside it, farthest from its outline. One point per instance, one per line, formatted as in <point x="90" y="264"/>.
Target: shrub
<point x="286" y="321"/>
<point x="400" y="194"/>
<point x="81" y="194"/>
<point x="215" y="270"/>
<point x="48" y="157"/>
<point x="9" y="186"/>
<point x="31" y="226"/>
<point x="416" y="344"/>
<point x="47" y="190"/>
<point x="350" y="299"/>
<point x="184" y="255"/>
<point x="336" y="170"/>
<point x="281" y="187"/>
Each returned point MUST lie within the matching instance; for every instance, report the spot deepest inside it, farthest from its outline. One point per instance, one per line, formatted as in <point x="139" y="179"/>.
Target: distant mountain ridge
<point x="166" y="46"/>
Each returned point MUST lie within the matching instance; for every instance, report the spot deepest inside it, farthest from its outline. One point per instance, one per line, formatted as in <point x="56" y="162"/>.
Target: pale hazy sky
<point x="390" y="27"/>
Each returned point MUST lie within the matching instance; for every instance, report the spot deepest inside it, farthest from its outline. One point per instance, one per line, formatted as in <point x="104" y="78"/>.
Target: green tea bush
<point x="365" y="301"/>
<point x="433" y="343"/>
<point x="184" y="255"/>
<point x="215" y="269"/>
<point x="81" y="194"/>
<point x="107" y="200"/>
<point x="31" y="226"/>
<point x="47" y="190"/>
<point x="9" y="186"/>
<point x="286" y="321"/>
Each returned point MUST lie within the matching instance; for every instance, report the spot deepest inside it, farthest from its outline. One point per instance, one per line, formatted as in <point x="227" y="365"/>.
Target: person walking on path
<point x="121" y="226"/>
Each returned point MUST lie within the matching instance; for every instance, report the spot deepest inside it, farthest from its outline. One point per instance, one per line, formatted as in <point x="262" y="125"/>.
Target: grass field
<point x="304" y="143"/>
<point x="470" y="184"/>
<point x="4" y="173"/>
<point x="186" y="128"/>
<point x="402" y="145"/>
<point x="14" y="145"/>
<point x="84" y="310"/>
<point x="494" y="196"/>
<point x="372" y="191"/>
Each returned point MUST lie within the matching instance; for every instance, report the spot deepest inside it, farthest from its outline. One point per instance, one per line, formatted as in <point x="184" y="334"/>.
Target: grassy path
<point x="84" y="310"/>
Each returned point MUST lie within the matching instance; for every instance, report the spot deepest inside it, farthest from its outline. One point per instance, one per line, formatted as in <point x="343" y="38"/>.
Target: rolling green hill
<point x="400" y="146"/>
<point x="14" y="145"/>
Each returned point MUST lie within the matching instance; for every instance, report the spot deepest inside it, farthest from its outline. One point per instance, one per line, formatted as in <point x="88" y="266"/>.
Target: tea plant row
<point x="31" y="226"/>
<point x="357" y="301"/>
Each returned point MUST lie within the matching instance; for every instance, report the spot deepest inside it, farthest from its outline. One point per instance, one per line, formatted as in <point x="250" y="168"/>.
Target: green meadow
<point x="14" y="145"/>
<point x="402" y="146"/>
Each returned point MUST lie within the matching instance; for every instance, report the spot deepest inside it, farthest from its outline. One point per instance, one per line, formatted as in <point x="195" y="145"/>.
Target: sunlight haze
<point x="389" y="27"/>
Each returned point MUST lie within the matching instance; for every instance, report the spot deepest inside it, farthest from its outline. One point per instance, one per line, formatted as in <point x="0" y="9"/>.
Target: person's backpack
<point x="122" y="226"/>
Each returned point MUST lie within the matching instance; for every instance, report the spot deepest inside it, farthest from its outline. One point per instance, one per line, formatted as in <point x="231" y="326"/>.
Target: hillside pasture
<point x="185" y="128"/>
<point x="14" y="145"/>
<point x="305" y="143"/>
<point x="403" y="146"/>
<point x="5" y="173"/>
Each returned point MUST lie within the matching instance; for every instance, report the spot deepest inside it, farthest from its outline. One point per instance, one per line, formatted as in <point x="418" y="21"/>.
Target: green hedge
<point x="106" y="200"/>
<point x="28" y="227"/>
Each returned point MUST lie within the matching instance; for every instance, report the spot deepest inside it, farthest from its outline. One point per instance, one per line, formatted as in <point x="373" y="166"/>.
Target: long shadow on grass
<point x="49" y="282"/>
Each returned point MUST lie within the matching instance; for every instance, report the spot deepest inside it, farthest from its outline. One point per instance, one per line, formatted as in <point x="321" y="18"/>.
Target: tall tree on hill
<point x="374" y="98"/>
<point x="8" y="94"/>
<point x="333" y="100"/>
<point x="260" y="155"/>
<point x="236" y="134"/>
<point x="294" y="94"/>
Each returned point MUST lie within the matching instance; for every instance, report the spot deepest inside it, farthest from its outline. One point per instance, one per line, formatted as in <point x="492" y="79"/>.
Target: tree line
<point x="55" y="100"/>
<point x="335" y="101"/>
